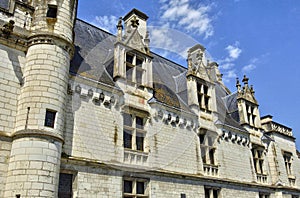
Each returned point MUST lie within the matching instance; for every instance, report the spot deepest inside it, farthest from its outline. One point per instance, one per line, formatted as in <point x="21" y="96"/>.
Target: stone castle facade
<point x="85" y="113"/>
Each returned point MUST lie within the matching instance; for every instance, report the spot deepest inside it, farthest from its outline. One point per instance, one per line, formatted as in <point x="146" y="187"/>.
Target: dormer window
<point x="251" y="115"/>
<point x="134" y="69"/>
<point x="203" y="97"/>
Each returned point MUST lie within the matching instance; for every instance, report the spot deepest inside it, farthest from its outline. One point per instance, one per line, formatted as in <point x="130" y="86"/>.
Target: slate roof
<point x="4" y="4"/>
<point x="94" y="58"/>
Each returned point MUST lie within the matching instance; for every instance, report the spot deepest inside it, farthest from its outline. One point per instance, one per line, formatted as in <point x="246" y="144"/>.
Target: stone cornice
<point x="158" y="172"/>
<point x="38" y="134"/>
<point x="51" y="39"/>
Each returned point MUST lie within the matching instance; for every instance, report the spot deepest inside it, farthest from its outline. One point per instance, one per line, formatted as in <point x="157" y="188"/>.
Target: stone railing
<point x="261" y="178"/>
<point x="135" y="157"/>
<point x="210" y="170"/>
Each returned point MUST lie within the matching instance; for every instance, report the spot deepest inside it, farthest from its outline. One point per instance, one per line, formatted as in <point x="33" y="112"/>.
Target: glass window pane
<point x="127" y="139"/>
<point x="206" y="193"/>
<point x="127" y="120"/>
<point x="127" y="186"/>
<point x="139" y="61"/>
<point x="139" y="142"/>
<point x="129" y="58"/>
<point x="129" y="71"/>
<point x="139" y="122"/>
<point x="140" y="188"/>
<point x="215" y="192"/>
<point x="139" y="75"/>
<point x="50" y="118"/>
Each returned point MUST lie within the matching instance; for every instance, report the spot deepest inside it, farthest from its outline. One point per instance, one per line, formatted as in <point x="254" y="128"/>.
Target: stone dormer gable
<point x="246" y="92"/>
<point x="247" y="104"/>
<point x="196" y="63"/>
<point x="133" y="39"/>
<point x="136" y="35"/>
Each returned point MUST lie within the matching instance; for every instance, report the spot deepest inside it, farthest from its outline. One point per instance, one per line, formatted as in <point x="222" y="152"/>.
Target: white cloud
<point x="183" y="15"/>
<point x="248" y="68"/>
<point x="251" y="66"/>
<point x="226" y="66"/>
<point x="229" y="75"/>
<point x="107" y="23"/>
<point x="234" y="51"/>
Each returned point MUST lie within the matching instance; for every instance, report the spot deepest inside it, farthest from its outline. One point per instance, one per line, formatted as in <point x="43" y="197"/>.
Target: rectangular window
<point x="134" y="69"/>
<point x="287" y="157"/>
<point x="133" y="132"/>
<point x="258" y="158"/>
<point x="52" y="11"/>
<point x="212" y="192"/>
<point x="50" y="118"/>
<point x="251" y="115"/>
<point x="135" y="188"/>
<point x="203" y="96"/>
<point x="207" y="147"/>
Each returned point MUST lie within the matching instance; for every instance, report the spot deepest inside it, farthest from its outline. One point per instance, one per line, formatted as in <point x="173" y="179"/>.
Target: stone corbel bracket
<point x="176" y="120"/>
<point x="235" y="138"/>
<point x="98" y="96"/>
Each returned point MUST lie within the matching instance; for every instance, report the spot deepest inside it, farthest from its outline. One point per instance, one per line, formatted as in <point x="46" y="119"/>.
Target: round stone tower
<point x="34" y="164"/>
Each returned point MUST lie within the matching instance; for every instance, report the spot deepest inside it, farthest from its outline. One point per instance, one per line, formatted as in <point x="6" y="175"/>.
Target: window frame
<point x="138" y="132"/>
<point x="208" y="150"/>
<point x="251" y="114"/>
<point x="258" y="157"/>
<point x="51" y="113"/>
<point x="204" y="96"/>
<point x="209" y="192"/>
<point x="134" y="188"/>
<point x="134" y="68"/>
<point x="288" y="158"/>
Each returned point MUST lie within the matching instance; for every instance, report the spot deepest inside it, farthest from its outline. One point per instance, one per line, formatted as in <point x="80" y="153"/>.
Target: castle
<point x="85" y="113"/>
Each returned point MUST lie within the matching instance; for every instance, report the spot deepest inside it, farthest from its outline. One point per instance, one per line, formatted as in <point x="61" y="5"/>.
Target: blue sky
<point x="259" y="38"/>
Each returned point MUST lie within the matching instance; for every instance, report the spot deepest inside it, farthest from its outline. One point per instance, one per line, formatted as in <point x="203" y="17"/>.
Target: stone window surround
<point x="134" y="65"/>
<point x="251" y="114"/>
<point x="206" y="139"/>
<point x="204" y="96"/>
<point x="212" y="192"/>
<point x="258" y="156"/>
<point x="288" y="157"/>
<point x="133" y="130"/>
<point x="50" y="118"/>
<point x="136" y="191"/>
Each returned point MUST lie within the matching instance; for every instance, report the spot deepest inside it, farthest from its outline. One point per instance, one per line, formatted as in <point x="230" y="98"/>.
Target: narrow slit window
<point x="50" y="118"/>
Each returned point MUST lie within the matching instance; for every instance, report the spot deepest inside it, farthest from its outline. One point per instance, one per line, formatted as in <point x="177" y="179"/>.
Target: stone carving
<point x="7" y="28"/>
<point x="281" y="129"/>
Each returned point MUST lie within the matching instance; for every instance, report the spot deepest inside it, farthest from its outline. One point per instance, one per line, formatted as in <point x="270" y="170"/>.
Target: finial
<point x="134" y="22"/>
<point x="120" y="26"/>
<point x="238" y="85"/>
<point x="245" y="80"/>
<point x="147" y="41"/>
<point x="147" y="35"/>
<point x="252" y="89"/>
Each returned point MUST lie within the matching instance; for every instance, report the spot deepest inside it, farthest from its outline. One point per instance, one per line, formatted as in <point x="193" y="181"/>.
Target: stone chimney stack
<point x="137" y="19"/>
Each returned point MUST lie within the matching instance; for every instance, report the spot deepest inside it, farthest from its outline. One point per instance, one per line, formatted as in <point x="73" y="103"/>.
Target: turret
<point x="38" y="137"/>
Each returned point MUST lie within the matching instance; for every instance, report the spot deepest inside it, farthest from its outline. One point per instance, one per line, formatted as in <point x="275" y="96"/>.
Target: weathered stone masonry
<point x="85" y="113"/>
